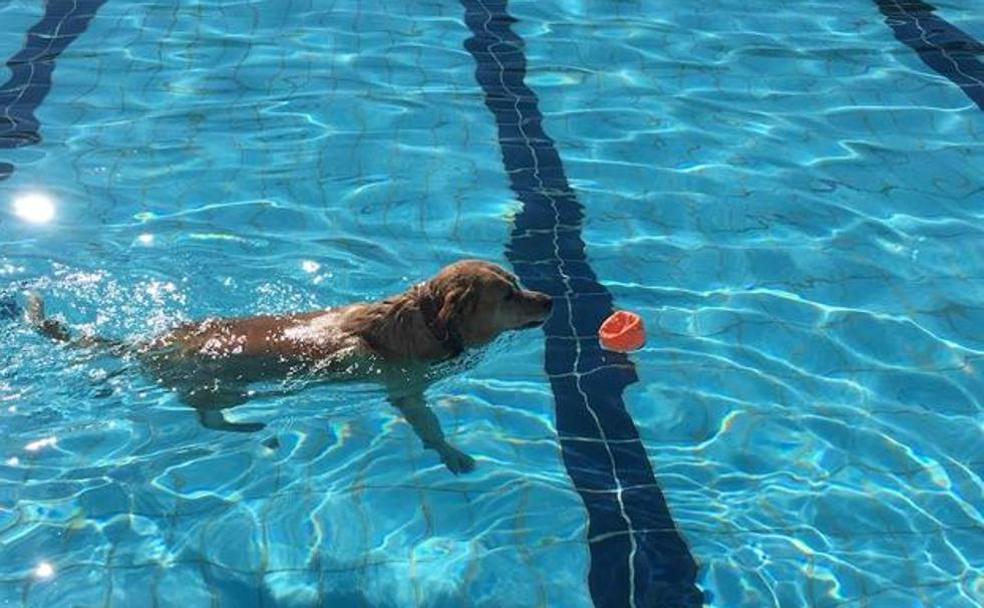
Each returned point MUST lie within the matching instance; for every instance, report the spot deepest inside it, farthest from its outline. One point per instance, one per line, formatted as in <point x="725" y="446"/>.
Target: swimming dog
<point x="211" y="363"/>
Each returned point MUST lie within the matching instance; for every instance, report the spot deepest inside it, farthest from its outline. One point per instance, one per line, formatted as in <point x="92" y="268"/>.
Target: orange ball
<point x="622" y="331"/>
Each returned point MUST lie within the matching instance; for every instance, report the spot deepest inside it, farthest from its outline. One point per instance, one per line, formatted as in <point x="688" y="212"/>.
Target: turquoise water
<point x="788" y="196"/>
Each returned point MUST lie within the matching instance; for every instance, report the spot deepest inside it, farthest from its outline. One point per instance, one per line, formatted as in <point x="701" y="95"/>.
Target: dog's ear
<point x="455" y="300"/>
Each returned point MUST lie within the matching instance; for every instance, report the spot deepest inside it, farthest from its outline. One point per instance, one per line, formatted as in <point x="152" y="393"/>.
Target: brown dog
<point x="211" y="363"/>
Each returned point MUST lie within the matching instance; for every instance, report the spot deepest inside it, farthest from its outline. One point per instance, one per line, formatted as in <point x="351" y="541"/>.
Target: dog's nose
<point x="539" y="300"/>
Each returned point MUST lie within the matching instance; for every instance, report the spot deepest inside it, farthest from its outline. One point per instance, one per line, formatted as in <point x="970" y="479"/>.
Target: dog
<point x="395" y="342"/>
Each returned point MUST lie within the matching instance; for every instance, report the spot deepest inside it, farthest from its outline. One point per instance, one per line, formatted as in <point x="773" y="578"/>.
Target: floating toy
<point x="622" y="332"/>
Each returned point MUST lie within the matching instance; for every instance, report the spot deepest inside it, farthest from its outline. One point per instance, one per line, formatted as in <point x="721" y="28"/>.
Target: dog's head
<point x="477" y="301"/>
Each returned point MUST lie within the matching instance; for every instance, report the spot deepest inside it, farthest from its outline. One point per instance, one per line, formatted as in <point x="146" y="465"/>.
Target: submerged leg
<point x="213" y="419"/>
<point x="426" y="425"/>
<point x="209" y="402"/>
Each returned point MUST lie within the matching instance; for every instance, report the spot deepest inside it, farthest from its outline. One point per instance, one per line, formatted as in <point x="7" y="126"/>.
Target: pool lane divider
<point x="638" y="557"/>
<point x="31" y="69"/>
<point x="941" y="45"/>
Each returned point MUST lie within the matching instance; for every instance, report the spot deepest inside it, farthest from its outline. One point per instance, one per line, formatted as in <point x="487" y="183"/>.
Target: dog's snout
<point x="542" y="300"/>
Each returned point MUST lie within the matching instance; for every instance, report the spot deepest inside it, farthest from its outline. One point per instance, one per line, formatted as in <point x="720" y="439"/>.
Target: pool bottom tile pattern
<point x="637" y="556"/>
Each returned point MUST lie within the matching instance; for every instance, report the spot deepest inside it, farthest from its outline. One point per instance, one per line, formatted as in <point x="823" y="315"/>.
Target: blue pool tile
<point x="941" y="45"/>
<point x="31" y="71"/>
<point x="608" y="584"/>
<point x="183" y="585"/>
<point x="579" y="355"/>
<point x="83" y="585"/>
<point x="655" y="574"/>
<point x="583" y="458"/>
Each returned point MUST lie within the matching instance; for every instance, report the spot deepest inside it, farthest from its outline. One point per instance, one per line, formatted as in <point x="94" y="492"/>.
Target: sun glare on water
<point x="34" y="207"/>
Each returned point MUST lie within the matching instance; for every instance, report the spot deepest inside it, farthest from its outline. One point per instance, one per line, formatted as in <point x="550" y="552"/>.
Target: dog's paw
<point x="457" y="461"/>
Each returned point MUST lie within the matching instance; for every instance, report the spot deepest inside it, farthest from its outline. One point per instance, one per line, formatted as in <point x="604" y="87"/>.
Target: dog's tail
<point x="58" y="331"/>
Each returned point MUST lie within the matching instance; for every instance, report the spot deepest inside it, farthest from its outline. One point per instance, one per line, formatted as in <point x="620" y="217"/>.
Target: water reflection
<point x="44" y="570"/>
<point x="34" y="207"/>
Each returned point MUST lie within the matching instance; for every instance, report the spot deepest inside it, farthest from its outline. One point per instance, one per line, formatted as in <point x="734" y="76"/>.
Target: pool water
<point x="788" y="195"/>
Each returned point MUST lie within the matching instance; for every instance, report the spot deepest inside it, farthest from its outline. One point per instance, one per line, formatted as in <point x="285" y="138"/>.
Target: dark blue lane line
<point x="942" y="46"/>
<point x="31" y="68"/>
<point x="637" y="556"/>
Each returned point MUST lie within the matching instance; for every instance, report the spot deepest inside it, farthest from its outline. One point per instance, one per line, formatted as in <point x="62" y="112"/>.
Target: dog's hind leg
<point x="425" y="424"/>
<point x="56" y="330"/>
<point x="59" y="332"/>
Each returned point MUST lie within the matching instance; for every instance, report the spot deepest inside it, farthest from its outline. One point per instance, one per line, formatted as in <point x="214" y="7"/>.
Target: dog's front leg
<point x="426" y="425"/>
<point x="210" y="400"/>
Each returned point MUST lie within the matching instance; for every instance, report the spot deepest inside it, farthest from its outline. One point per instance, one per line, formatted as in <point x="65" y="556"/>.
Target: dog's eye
<point x="509" y="295"/>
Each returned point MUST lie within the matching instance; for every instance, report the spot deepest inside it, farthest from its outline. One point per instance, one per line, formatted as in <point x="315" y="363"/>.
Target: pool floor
<point x="789" y="196"/>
